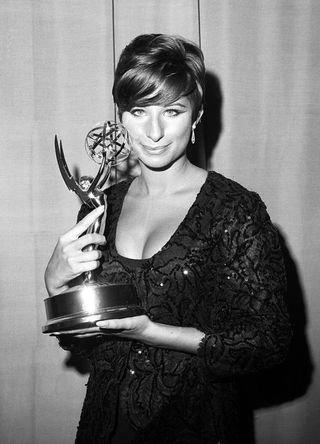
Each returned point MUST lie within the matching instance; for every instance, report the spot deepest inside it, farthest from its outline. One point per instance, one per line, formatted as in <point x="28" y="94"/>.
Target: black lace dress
<point x="220" y="272"/>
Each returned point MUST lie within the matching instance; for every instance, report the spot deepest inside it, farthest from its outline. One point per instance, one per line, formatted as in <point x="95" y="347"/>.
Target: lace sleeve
<point x="253" y="330"/>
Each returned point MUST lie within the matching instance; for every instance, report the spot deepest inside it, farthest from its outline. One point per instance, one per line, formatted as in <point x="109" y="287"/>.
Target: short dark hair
<point x="158" y="68"/>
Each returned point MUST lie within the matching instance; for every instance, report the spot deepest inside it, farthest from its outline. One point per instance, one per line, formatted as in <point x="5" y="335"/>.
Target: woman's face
<point x="159" y="134"/>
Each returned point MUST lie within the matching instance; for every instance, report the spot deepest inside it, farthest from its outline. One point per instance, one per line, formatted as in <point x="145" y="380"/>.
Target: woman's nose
<point x="155" y="128"/>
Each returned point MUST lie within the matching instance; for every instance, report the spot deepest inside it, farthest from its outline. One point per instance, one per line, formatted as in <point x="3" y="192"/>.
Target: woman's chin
<point x="161" y="164"/>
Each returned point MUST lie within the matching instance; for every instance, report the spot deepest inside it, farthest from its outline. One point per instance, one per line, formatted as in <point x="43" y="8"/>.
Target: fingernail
<point x="105" y="324"/>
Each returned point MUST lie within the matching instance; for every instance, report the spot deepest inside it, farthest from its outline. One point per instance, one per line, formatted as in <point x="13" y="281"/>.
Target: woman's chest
<point x="146" y="225"/>
<point x="173" y="283"/>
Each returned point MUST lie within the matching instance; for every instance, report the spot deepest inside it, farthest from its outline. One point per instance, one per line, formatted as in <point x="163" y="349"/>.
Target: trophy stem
<point x="96" y="227"/>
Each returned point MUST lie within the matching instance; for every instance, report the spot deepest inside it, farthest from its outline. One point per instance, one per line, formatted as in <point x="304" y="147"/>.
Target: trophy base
<point x="82" y="306"/>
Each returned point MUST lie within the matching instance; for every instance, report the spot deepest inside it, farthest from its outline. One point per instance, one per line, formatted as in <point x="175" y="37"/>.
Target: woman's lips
<point x="155" y="149"/>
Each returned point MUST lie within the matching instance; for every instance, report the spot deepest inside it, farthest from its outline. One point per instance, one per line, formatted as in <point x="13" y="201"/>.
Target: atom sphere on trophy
<point x="108" y="139"/>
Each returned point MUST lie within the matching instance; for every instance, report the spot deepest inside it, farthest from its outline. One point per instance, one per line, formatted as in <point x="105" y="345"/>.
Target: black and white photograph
<point x="159" y="273"/>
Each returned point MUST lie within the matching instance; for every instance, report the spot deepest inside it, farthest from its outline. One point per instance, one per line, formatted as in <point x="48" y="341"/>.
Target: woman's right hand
<point x="69" y="259"/>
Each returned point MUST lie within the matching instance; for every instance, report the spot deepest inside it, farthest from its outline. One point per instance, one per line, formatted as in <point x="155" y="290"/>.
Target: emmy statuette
<point x="80" y="307"/>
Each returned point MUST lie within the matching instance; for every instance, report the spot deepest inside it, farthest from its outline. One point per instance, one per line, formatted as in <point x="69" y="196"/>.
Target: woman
<point x="205" y="260"/>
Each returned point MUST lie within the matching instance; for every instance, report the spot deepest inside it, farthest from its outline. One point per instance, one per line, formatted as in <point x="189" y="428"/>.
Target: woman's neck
<point x="164" y="182"/>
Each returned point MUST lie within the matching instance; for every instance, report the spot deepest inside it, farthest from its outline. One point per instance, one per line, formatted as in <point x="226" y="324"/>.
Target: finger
<point x="113" y="331"/>
<point x="89" y="266"/>
<point x="89" y="239"/>
<point x="115" y="324"/>
<point x="88" y="256"/>
<point x="128" y="323"/>
<point x="84" y="224"/>
<point x="78" y="267"/>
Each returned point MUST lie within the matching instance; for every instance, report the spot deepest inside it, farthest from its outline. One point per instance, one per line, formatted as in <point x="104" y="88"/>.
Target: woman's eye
<point x="138" y="112"/>
<point x="172" y="112"/>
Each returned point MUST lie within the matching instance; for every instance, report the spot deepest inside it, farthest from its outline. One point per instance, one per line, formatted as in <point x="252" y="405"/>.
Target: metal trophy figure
<point x="80" y="307"/>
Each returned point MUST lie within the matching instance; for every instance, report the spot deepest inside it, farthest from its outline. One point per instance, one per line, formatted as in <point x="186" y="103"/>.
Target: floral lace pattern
<point x="221" y="272"/>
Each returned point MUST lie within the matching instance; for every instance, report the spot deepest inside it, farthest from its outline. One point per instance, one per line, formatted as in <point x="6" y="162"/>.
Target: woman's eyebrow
<point x="177" y="104"/>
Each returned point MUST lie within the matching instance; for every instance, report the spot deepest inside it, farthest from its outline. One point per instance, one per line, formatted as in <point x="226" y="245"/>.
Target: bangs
<point x="153" y="86"/>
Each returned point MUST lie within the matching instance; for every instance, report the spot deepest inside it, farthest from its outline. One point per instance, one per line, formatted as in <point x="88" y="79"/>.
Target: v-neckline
<point x="171" y="238"/>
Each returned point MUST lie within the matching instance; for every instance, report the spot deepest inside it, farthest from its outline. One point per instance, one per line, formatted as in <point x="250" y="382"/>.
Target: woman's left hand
<point x="142" y="329"/>
<point x="136" y="327"/>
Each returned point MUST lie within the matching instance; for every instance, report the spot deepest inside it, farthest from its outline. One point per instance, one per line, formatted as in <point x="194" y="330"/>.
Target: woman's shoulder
<point x="226" y="186"/>
<point x="232" y="195"/>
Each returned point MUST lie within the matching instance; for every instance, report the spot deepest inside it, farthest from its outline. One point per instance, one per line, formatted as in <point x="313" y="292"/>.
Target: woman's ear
<point x="198" y="119"/>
